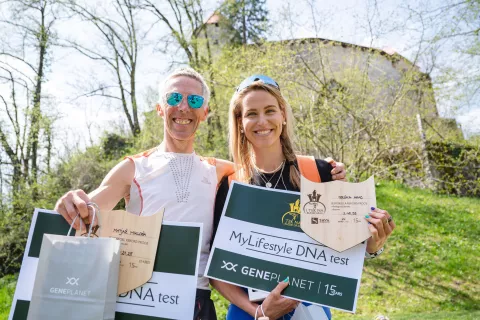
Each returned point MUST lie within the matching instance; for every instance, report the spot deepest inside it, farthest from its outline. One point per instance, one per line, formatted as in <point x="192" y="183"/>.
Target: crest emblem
<point x="292" y="217"/>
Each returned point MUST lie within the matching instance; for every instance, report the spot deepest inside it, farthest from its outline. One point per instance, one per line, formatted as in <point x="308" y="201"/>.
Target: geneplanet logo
<point x="72" y="281"/>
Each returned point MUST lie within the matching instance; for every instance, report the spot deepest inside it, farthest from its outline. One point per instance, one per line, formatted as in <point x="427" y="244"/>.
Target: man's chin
<point x="182" y="136"/>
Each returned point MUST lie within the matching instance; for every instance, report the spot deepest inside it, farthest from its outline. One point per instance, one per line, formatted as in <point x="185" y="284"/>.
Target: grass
<point x="431" y="263"/>
<point x="429" y="271"/>
<point x="7" y="289"/>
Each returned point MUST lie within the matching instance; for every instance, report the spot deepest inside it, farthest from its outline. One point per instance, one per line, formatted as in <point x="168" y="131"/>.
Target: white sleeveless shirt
<point x="183" y="184"/>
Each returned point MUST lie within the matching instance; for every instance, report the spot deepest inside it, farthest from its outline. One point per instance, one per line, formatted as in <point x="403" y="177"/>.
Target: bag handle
<point x="95" y="208"/>
<point x="73" y="222"/>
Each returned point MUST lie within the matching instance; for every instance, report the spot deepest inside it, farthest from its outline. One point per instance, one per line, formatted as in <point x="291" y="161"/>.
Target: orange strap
<point x="308" y="168"/>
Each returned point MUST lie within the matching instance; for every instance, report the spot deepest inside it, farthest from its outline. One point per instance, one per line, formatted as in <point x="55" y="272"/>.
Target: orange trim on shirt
<point x="146" y="153"/>
<point x="140" y="193"/>
<point x="211" y="161"/>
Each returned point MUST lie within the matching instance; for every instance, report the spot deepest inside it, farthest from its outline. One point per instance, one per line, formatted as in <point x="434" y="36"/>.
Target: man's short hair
<point x="184" y="72"/>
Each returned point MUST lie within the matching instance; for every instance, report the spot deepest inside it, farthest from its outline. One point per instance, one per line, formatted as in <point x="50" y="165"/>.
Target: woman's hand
<point x="381" y="226"/>
<point x="275" y="305"/>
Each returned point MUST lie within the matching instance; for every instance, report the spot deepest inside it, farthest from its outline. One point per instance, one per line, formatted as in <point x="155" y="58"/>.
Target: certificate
<point x="259" y="243"/>
<point x="168" y="294"/>
<point x="139" y="238"/>
<point x="333" y="212"/>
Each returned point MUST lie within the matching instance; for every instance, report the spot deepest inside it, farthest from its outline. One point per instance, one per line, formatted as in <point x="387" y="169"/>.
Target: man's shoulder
<point x="223" y="167"/>
<point x="144" y="154"/>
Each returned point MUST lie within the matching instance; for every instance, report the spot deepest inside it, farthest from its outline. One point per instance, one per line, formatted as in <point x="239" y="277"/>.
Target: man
<point x="170" y="176"/>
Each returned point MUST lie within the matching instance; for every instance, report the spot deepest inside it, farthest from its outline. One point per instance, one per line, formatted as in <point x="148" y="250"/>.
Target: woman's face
<point x="262" y="119"/>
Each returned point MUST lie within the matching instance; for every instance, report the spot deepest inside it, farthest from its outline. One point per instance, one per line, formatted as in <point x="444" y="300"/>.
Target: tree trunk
<point x="244" y="23"/>
<point x="32" y="149"/>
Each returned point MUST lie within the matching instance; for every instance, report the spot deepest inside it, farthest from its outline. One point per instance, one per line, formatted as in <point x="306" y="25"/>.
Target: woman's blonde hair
<point x="241" y="149"/>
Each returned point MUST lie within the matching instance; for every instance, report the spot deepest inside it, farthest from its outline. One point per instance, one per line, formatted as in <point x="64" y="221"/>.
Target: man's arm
<point x="338" y="172"/>
<point x="224" y="169"/>
<point x="113" y="188"/>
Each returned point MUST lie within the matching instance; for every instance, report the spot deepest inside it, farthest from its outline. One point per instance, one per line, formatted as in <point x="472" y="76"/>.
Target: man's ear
<point x="160" y="111"/>
<point x="205" y="113"/>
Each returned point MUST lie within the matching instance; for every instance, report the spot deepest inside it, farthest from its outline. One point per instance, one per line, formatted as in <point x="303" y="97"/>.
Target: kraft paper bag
<point x="77" y="279"/>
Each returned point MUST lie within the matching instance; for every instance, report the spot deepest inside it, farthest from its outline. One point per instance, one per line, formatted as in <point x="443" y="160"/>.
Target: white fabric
<point x="184" y="185"/>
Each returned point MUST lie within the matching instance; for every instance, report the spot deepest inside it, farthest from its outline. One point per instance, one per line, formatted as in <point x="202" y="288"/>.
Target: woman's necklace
<point x="268" y="184"/>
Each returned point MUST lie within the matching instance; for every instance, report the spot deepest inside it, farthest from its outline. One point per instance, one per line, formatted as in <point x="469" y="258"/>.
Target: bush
<point x="455" y="167"/>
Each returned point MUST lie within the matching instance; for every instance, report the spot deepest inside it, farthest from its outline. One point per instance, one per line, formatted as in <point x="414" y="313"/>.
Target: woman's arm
<point x="274" y="304"/>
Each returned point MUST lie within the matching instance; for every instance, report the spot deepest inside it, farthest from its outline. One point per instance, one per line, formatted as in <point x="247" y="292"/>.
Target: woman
<point x="261" y="143"/>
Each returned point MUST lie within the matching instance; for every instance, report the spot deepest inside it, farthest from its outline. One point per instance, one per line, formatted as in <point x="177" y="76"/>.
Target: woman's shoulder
<point x="323" y="167"/>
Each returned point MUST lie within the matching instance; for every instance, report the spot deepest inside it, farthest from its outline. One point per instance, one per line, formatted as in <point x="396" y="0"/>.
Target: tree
<point x="363" y="115"/>
<point x="248" y="17"/>
<point x="182" y="20"/>
<point x="119" y="52"/>
<point x="24" y="60"/>
<point x="28" y="33"/>
<point x="453" y="32"/>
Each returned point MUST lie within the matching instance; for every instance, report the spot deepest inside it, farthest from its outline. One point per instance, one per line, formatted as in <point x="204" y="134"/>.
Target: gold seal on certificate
<point x="139" y="239"/>
<point x="333" y="213"/>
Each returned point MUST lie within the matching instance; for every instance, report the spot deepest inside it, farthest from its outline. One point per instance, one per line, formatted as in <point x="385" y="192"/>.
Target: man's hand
<point x="73" y="203"/>
<point x="114" y="187"/>
<point x="338" y="172"/>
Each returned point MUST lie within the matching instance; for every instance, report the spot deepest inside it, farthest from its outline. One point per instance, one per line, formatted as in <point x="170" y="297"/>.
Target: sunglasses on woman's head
<point x="194" y="101"/>
<point x="257" y="77"/>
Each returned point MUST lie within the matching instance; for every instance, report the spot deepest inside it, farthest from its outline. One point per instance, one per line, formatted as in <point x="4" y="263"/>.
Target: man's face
<point x="181" y="121"/>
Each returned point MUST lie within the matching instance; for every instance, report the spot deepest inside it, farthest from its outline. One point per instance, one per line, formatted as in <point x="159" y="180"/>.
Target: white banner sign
<point x="169" y="294"/>
<point x="259" y="243"/>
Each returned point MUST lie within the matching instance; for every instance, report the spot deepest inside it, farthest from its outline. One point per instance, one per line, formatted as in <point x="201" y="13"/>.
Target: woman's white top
<point x="184" y="184"/>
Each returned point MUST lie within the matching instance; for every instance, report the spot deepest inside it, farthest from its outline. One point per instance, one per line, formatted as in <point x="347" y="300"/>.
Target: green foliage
<point x="221" y="304"/>
<point x="15" y="220"/>
<point x="248" y="17"/>
<point x="83" y="170"/>
<point x="7" y="289"/>
<point x="14" y="232"/>
<point x="455" y="167"/>
<point x="114" y="146"/>
<point x="355" y="105"/>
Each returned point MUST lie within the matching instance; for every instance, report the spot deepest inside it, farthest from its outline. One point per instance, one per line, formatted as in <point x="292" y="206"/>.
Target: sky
<point x="81" y="120"/>
<point x="392" y="28"/>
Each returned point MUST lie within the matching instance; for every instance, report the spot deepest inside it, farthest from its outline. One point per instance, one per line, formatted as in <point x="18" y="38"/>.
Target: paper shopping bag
<point x="76" y="278"/>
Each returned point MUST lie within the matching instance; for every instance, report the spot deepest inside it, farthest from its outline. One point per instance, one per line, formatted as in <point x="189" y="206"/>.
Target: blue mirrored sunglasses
<point x="257" y="77"/>
<point x="194" y="101"/>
